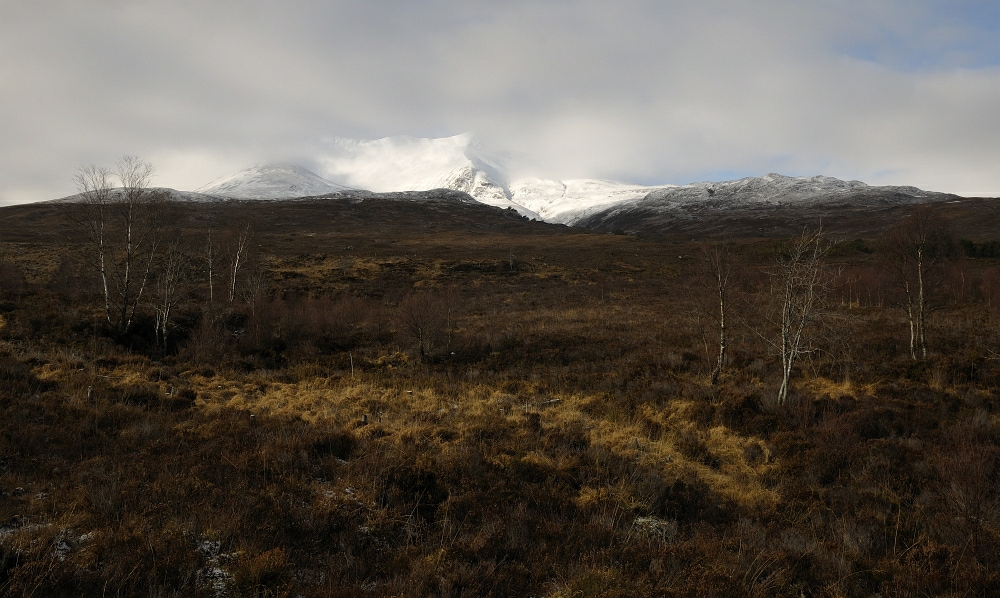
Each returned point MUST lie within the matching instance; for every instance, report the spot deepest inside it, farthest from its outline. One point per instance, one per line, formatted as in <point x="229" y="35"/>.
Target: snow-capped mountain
<point x="459" y="163"/>
<point x="270" y="181"/>
<point x="415" y="164"/>
<point x="771" y="204"/>
<point x="777" y="189"/>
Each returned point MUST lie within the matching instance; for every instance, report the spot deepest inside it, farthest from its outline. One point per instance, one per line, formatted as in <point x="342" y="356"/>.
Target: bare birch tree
<point x="719" y="268"/>
<point x="122" y="225"/>
<point x="91" y="215"/>
<point x="166" y="291"/>
<point x="239" y="253"/>
<point x="910" y="259"/>
<point x="800" y="280"/>
<point x="211" y="255"/>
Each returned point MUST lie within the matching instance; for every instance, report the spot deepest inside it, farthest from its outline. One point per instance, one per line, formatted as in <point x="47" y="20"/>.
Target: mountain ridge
<point x="585" y="202"/>
<point x="764" y="206"/>
<point x="408" y="166"/>
<point x="459" y="162"/>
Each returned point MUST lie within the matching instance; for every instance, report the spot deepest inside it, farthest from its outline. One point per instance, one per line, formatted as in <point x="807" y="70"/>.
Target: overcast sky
<point x="884" y="91"/>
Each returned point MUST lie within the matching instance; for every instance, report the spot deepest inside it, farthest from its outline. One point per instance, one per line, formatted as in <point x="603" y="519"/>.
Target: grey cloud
<point x="634" y="90"/>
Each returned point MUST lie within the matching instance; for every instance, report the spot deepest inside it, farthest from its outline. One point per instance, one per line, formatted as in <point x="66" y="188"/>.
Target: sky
<point x="883" y="91"/>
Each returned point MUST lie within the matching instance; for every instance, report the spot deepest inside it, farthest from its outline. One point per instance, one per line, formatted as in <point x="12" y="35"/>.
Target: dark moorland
<point x="434" y="398"/>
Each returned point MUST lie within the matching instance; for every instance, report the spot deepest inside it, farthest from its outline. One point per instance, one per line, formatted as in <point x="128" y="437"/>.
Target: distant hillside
<point x="270" y="181"/>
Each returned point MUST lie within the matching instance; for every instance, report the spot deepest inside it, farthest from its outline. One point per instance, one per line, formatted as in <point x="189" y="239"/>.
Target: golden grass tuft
<point x="824" y="387"/>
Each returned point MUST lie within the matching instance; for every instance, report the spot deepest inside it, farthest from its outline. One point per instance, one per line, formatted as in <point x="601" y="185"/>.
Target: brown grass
<point x="560" y="437"/>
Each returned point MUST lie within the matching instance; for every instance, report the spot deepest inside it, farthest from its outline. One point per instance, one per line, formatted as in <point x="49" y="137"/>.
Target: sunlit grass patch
<point x="824" y="387"/>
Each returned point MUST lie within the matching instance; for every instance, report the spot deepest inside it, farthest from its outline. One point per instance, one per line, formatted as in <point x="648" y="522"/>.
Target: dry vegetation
<point x="424" y="400"/>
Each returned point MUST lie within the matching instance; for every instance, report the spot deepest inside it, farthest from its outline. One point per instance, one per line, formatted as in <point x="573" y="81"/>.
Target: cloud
<point x="883" y="91"/>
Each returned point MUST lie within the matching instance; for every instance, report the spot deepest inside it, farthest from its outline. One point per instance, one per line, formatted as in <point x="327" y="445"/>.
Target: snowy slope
<point x="270" y="181"/>
<point x="566" y="202"/>
<point x="771" y="204"/>
<point x="570" y="202"/>
<point x="777" y="189"/>
<point x="415" y="164"/>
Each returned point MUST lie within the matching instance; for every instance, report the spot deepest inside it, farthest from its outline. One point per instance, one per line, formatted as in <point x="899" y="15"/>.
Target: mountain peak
<point x="418" y="164"/>
<point x="271" y="181"/>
